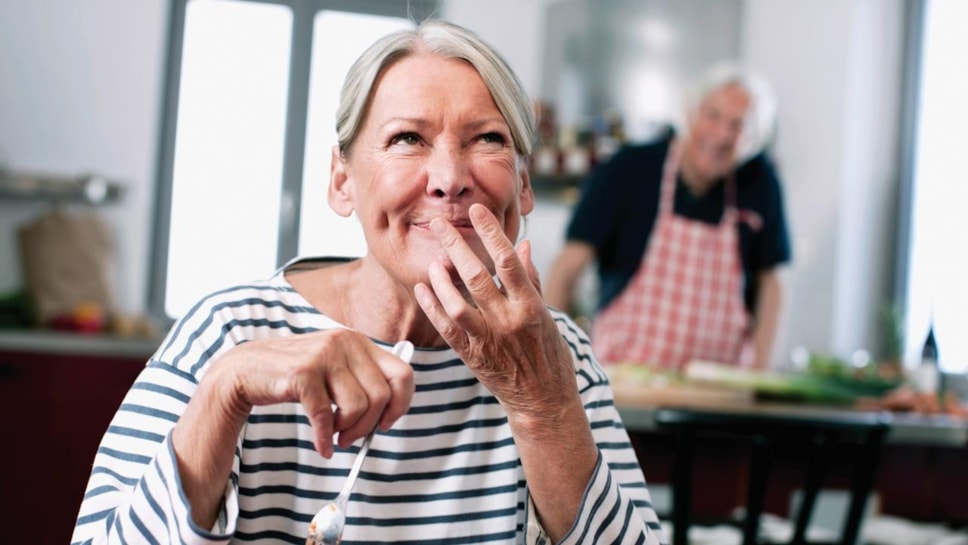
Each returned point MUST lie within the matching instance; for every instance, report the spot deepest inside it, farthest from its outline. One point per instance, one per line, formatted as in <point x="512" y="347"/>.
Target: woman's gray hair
<point x="760" y="120"/>
<point x="447" y="40"/>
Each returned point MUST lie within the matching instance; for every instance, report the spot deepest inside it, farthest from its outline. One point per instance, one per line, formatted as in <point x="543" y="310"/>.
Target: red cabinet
<point x="55" y="408"/>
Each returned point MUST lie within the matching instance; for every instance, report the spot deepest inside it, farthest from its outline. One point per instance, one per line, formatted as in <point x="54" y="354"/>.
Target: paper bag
<point x="67" y="260"/>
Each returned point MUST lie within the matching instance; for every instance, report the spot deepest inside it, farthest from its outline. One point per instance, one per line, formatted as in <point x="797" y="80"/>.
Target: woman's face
<point x="432" y="143"/>
<point x="715" y="130"/>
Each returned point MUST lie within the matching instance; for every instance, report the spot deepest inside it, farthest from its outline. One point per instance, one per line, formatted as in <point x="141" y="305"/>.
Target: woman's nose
<point x="446" y="173"/>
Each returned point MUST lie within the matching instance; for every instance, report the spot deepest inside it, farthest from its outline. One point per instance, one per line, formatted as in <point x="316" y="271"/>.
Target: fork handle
<point x="344" y="494"/>
<point x="404" y="351"/>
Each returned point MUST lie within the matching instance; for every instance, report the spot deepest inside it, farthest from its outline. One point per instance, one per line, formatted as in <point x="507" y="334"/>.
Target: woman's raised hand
<point x="503" y="331"/>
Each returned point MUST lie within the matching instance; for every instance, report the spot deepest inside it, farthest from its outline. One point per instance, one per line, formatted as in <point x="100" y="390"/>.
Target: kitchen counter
<point x="920" y="468"/>
<point x="638" y="405"/>
<point x="913" y="429"/>
<point x="58" y="342"/>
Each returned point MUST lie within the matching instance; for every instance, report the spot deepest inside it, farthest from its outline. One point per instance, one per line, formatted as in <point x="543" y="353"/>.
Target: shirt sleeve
<point x="616" y="507"/>
<point x="135" y="491"/>
<point x="135" y="488"/>
<point x="772" y="246"/>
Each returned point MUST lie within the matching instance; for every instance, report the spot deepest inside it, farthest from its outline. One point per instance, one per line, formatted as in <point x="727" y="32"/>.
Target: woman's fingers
<point x="524" y="254"/>
<point x="319" y="410"/>
<point x="347" y="384"/>
<point x="518" y="280"/>
<point x="376" y="391"/>
<point x="360" y="393"/>
<point x="507" y="264"/>
<point x="399" y="377"/>
<point x="429" y="300"/>
<point x="475" y="276"/>
<point x="491" y="312"/>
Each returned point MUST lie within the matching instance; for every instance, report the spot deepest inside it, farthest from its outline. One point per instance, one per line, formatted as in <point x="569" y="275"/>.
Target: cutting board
<point x="636" y="393"/>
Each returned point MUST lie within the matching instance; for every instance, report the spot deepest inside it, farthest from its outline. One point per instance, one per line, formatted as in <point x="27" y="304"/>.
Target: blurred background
<point x="91" y="89"/>
<point x="154" y="151"/>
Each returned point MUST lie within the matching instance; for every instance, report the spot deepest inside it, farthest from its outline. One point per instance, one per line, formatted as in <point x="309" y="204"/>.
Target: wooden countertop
<point x="637" y="404"/>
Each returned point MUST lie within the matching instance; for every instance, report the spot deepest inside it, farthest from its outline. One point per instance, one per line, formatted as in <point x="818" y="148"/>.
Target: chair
<point x="820" y="431"/>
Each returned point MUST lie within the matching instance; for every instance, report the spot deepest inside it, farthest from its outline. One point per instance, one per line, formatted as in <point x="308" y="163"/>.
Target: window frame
<point x="297" y="106"/>
<point x="914" y="325"/>
<point x="911" y="73"/>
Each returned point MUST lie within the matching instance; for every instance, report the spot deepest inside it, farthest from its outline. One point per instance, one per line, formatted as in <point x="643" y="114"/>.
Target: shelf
<point x="34" y="186"/>
<point x="559" y="187"/>
<point x="77" y="344"/>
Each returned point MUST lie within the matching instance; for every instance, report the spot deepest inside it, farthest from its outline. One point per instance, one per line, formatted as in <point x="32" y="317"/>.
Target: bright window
<point x="248" y="128"/>
<point x="938" y="258"/>
<point x="228" y="147"/>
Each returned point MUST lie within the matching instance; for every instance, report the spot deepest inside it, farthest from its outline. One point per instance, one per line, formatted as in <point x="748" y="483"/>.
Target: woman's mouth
<point x="459" y="224"/>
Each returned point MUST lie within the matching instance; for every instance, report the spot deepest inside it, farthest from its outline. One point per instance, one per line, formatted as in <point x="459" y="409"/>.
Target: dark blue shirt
<point x="620" y="202"/>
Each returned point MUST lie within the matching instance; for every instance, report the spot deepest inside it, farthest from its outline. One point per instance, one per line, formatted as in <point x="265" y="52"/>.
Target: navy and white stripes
<point x="447" y="472"/>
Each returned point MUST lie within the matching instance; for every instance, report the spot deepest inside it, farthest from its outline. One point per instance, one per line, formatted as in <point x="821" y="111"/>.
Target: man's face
<point x="714" y="132"/>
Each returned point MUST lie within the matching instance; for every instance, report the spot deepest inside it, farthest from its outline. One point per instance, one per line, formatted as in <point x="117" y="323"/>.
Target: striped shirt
<point x="447" y="472"/>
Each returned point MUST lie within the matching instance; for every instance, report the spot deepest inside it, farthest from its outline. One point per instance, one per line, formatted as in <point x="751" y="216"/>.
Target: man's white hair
<point x="758" y="127"/>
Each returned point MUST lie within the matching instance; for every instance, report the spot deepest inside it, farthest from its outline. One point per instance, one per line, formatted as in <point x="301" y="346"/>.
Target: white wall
<point x="81" y="92"/>
<point x="82" y="89"/>
<point x="836" y="70"/>
<point x="514" y="27"/>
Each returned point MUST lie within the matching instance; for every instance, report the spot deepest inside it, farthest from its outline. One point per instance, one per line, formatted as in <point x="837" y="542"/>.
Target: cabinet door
<point x="26" y="468"/>
<point x="56" y="408"/>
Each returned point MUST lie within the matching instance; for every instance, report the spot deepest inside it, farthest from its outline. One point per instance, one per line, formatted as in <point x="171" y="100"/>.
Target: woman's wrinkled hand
<point x="503" y="331"/>
<point x="367" y="385"/>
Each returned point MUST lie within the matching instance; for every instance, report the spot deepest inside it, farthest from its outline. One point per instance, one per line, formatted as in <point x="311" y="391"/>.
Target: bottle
<point x="927" y="376"/>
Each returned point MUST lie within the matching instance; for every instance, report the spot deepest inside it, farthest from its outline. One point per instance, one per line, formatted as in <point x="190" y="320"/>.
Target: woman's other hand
<point x="367" y="384"/>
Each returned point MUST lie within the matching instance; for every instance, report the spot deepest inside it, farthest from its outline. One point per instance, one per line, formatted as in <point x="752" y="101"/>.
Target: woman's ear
<point x="527" y="192"/>
<point x="338" y="193"/>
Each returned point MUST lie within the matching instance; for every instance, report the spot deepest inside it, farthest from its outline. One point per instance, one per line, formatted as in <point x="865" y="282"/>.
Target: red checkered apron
<point x="685" y="300"/>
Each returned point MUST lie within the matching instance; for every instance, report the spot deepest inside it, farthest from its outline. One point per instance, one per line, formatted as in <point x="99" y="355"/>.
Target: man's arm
<point x="565" y="271"/>
<point x="768" y="304"/>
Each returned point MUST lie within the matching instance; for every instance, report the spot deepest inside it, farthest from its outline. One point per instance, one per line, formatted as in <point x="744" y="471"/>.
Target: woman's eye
<point x="493" y="137"/>
<point x="408" y="138"/>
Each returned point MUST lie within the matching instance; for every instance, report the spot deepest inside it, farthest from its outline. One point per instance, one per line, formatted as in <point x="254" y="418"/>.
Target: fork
<point x="326" y="527"/>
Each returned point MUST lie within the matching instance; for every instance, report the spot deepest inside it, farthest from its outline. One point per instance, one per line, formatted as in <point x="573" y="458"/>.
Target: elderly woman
<point x="501" y="429"/>
<point x="688" y="233"/>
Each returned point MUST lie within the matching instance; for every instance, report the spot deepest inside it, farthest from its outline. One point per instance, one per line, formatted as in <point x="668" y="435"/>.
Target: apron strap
<point x="730" y="212"/>
<point x="667" y="191"/>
